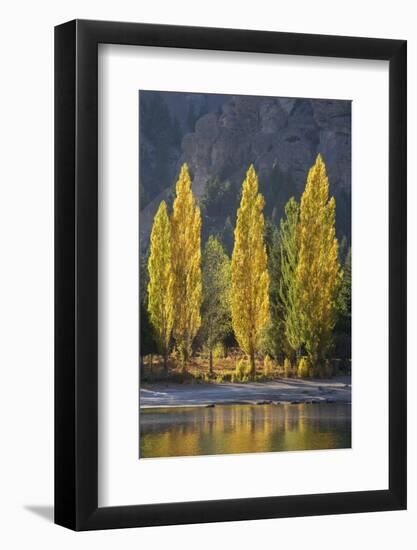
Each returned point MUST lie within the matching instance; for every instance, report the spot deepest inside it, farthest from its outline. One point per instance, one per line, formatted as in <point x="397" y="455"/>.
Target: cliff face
<point x="279" y="136"/>
<point x="267" y="132"/>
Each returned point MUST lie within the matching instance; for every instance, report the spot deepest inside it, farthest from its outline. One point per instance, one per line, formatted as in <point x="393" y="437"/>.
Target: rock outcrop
<point x="267" y="132"/>
<point x="271" y="133"/>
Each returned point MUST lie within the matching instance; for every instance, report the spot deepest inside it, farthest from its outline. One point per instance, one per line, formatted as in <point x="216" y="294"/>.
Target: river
<point x="230" y="429"/>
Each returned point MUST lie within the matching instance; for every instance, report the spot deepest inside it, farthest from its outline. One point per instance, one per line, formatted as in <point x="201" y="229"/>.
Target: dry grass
<point x="197" y="371"/>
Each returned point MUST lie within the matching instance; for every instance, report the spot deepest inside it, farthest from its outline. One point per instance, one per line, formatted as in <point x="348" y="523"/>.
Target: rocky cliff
<point x="280" y="136"/>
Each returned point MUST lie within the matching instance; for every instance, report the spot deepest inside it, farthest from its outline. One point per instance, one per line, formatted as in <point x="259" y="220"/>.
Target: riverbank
<point x="285" y="390"/>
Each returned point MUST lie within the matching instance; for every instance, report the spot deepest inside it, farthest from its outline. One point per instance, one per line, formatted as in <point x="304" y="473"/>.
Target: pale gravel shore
<point x="285" y="390"/>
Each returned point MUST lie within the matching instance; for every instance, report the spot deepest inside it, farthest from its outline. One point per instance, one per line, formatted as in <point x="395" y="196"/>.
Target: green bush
<point x="242" y="371"/>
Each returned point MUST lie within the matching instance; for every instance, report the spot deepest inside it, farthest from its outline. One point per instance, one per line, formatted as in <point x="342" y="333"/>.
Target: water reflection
<point x="244" y="429"/>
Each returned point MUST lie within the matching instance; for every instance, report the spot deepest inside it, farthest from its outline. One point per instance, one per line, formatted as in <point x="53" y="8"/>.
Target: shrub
<point x="242" y="371"/>
<point x="287" y="368"/>
<point x="303" y="368"/>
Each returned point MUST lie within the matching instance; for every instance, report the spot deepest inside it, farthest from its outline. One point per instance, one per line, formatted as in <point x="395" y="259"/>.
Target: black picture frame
<point x="76" y="272"/>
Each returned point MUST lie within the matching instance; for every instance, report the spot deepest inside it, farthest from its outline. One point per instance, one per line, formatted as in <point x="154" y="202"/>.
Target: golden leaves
<point x="250" y="279"/>
<point x="318" y="272"/>
<point x="160" y="288"/>
<point x="186" y="257"/>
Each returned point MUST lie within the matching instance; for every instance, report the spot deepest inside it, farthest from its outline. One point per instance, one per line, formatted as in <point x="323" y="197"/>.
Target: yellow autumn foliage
<point x="250" y="280"/>
<point x="318" y="273"/>
<point x="160" y="287"/>
<point x="186" y="259"/>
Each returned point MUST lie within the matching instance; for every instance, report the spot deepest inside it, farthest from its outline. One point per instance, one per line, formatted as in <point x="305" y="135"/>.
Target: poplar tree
<point x="216" y="295"/>
<point x="287" y="285"/>
<point x="275" y="342"/>
<point x="272" y="341"/>
<point x="160" y="286"/>
<point x="250" y="279"/>
<point x="186" y="257"/>
<point x="318" y="273"/>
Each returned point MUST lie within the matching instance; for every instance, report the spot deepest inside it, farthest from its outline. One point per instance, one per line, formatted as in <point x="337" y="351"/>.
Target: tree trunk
<point x="150" y="365"/>
<point x="211" y="362"/>
<point x="252" y="365"/>
<point x="166" y="362"/>
<point x="184" y="360"/>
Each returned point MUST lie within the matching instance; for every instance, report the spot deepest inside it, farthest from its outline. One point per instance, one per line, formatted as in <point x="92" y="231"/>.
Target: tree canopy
<point x="250" y="279"/>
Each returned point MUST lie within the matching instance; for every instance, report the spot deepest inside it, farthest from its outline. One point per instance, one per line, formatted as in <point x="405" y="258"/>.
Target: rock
<point x="207" y="127"/>
<point x="210" y="405"/>
<point x="273" y="133"/>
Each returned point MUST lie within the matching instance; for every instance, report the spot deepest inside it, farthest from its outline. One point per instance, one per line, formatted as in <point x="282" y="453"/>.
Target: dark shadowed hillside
<point x="219" y="136"/>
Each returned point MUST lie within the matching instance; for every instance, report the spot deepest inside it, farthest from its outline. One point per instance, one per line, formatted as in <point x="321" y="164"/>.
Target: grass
<point x="197" y="371"/>
<point x="232" y="368"/>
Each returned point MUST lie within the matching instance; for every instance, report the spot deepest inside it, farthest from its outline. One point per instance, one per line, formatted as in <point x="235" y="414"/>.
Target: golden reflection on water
<point x="229" y="429"/>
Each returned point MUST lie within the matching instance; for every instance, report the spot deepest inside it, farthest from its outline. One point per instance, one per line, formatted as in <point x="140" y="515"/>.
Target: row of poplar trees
<point x="190" y="293"/>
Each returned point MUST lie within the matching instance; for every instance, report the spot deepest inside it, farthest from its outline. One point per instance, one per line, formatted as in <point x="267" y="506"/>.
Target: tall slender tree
<point x="287" y="285"/>
<point x="344" y="299"/>
<point x="215" y="309"/>
<point x="250" y="279"/>
<point x="186" y="258"/>
<point x="160" y="287"/>
<point x="274" y="340"/>
<point x="318" y="272"/>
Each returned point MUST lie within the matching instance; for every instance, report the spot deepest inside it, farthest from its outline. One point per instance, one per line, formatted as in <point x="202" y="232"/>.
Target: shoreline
<point x="285" y="391"/>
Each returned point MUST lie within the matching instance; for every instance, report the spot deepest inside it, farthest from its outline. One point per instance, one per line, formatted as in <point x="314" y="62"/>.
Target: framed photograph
<point x="230" y="275"/>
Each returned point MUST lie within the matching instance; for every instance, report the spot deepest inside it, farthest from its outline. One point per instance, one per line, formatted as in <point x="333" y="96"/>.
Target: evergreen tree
<point x="218" y="199"/>
<point x="215" y="309"/>
<point x="318" y="273"/>
<point x="227" y="235"/>
<point x="186" y="257"/>
<point x="250" y="280"/>
<point x="160" y="287"/>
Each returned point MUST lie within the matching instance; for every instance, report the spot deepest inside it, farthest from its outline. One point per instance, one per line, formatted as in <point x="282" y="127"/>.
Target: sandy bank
<point x="278" y="391"/>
